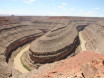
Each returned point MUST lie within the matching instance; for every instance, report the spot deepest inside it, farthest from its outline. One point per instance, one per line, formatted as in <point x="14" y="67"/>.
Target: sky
<point x="87" y="8"/>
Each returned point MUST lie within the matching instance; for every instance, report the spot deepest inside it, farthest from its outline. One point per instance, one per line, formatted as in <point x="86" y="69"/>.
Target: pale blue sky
<point x="93" y="8"/>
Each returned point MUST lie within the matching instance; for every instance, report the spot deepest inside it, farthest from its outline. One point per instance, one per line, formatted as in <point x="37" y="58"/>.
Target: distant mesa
<point x="12" y="15"/>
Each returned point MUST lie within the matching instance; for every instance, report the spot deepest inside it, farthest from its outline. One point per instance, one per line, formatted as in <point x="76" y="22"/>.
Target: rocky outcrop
<point x="71" y="67"/>
<point x="94" y="37"/>
<point x="10" y="39"/>
<point x="54" y="45"/>
<point x="88" y="70"/>
<point x="5" y="70"/>
<point x="13" y="37"/>
<point x="17" y="31"/>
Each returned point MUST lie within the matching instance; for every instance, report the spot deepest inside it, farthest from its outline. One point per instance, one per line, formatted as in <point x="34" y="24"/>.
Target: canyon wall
<point x="94" y="37"/>
<point x="16" y="31"/>
<point x="54" y="44"/>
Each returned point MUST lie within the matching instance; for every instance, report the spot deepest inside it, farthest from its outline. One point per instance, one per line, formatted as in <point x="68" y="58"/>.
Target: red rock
<point x="95" y="61"/>
<point x="71" y="66"/>
<point x="88" y="70"/>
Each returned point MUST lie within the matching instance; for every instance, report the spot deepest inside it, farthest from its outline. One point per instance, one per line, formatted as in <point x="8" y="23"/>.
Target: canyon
<point x="51" y="46"/>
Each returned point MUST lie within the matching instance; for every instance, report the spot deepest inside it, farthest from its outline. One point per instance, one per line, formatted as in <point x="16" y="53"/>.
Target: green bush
<point x="25" y="65"/>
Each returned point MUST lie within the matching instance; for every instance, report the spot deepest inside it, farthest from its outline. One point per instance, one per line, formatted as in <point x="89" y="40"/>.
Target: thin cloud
<point x="71" y="9"/>
<point x="62" y="6"/>
<point x="81" y="11"/>
<point x="29" y="1"/>
<point x="96" y="8"/>
<point x="64" y="3"/>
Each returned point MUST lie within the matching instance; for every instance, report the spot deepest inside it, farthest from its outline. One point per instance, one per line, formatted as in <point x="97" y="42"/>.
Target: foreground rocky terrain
<point x="86" y="64"/>
<point x="16" y="32"/>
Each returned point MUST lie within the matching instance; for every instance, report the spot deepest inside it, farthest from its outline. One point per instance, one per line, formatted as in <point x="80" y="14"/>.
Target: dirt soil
<point x="17" y="62"/>
<point x="83" y="42"/>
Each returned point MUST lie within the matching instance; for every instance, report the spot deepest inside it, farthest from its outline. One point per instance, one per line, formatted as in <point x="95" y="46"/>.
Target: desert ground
<point x="51" y="47"/>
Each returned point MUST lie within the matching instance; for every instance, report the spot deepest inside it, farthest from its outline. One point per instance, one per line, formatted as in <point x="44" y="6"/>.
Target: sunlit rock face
<point x="94" y="37"/>
<point x="54" y="45"/>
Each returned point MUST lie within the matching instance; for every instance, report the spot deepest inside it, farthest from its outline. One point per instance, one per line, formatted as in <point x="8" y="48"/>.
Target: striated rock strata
<point x="16" y="31"/>
<point x="54" y="45"/>
<point x="94" y="37"/>
<point x="11" y="38"/>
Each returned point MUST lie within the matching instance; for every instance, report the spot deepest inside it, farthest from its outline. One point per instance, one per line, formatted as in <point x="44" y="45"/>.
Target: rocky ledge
<point x="94" y="37"/>
<point x="53" y="46"/>
<point x="84" y="65"/>
<point x="15" y="32"/>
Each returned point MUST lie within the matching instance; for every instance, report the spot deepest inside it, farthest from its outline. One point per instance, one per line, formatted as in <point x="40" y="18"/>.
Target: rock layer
<point x="94" y="37"/>
<point x="16" y="31"/>
<point x="72" y="67"/>
<point x="54" y="45"/>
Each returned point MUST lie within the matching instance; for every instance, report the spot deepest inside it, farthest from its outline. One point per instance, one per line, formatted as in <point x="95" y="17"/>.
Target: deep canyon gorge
<point x="33" y="45"/>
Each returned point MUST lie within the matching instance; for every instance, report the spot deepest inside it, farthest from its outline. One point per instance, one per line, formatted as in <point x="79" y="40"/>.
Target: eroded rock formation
<point x="72" y="67"/>
<point x="94" y="37"/>
<point x="54" y="45"/>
